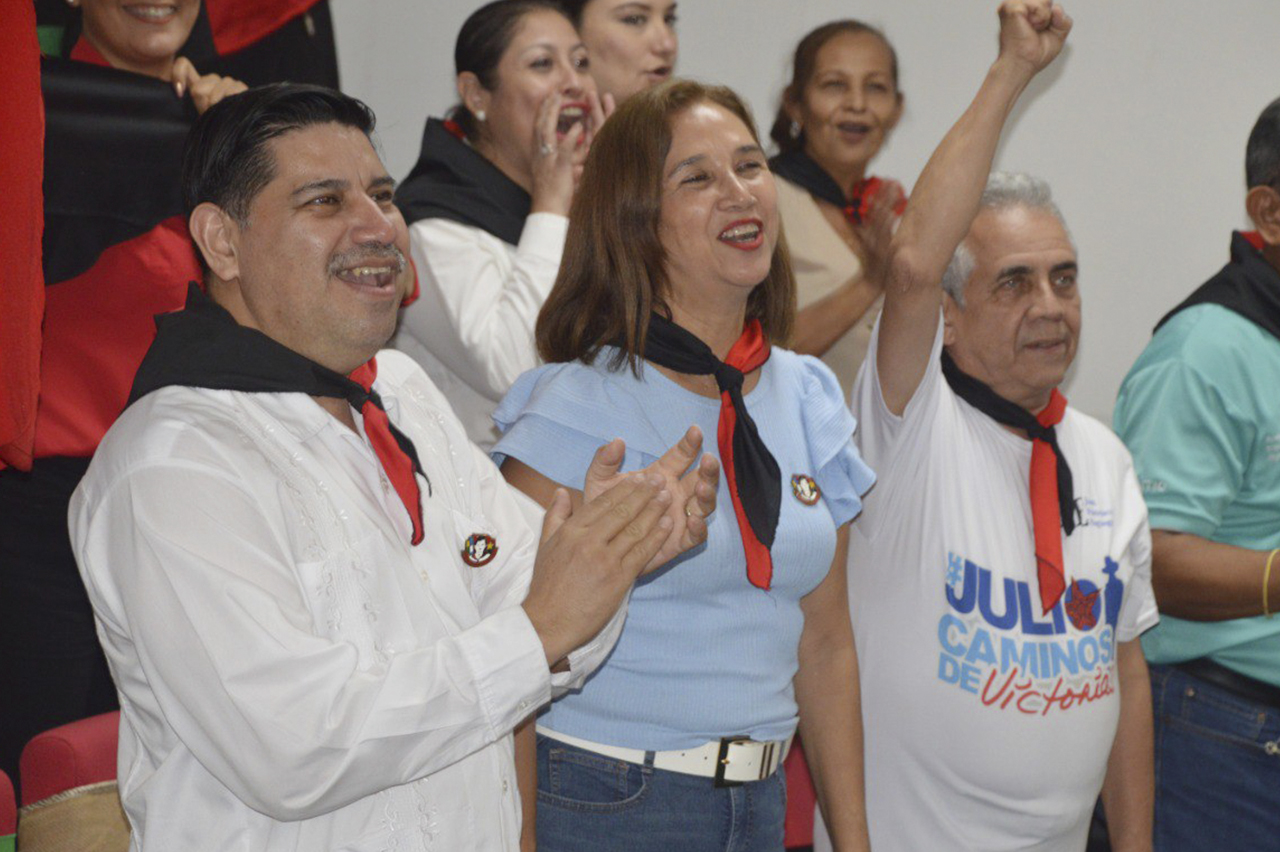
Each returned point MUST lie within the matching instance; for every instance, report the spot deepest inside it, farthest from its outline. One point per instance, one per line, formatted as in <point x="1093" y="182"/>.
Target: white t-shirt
<point x="988" y="725"/>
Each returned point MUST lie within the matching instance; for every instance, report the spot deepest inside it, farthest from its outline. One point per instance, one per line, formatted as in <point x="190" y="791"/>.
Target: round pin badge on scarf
<point x="479" y="549"/>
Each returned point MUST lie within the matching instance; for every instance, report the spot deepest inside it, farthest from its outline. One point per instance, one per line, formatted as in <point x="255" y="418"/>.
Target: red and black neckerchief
<point x="1052" y="492"/>
<point x="1248" y="285"/>
<point x="755" y="482"/>
<point x="202" y="346"/>
<point x="802" y="170"/>
<point x="453" y="181"/>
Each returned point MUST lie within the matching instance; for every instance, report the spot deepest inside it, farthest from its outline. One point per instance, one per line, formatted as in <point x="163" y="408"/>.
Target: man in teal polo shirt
<point x="1200" y="411"/>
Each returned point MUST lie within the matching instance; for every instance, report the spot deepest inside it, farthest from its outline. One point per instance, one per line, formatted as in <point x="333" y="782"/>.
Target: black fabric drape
<point x="112" y="160"/>
<point x="802" y="170"/>
<point x="452" y="181"/>
<point x="203" y="346"/>
<point x="1248" y="285"/>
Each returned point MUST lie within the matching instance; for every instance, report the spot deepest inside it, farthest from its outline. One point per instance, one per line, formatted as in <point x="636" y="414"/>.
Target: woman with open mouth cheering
<point x="487" y="202"/>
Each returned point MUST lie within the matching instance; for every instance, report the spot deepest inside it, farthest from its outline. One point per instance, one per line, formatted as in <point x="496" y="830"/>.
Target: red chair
<point x="69" y="796"/>
<point x="8" y="814"/>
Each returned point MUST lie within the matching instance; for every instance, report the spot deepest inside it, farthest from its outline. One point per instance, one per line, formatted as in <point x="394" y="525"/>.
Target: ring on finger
<point x="546" y="149"/>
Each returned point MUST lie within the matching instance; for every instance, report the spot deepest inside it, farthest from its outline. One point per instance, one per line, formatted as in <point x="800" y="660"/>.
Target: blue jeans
<point x="588" y="803"/>
<point x="1217" y="767"/>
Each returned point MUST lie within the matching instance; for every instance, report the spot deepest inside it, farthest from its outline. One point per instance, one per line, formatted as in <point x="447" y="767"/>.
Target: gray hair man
<point x="999" y="574"/>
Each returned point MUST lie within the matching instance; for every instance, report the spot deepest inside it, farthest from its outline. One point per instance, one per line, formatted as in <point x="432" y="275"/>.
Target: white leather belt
<point x="729" y="760"/>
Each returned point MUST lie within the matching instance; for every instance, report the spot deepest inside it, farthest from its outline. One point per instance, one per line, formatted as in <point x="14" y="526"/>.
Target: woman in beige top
<point x="839" y="108"/>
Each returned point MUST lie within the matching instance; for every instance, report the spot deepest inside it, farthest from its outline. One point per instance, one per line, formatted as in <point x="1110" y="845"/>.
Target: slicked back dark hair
<point x="227" y="161"/>
<point x="1262" y="154"/>
<point x="483" y="39"/>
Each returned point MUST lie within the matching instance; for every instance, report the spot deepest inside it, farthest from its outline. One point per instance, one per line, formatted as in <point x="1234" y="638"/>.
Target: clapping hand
<point x="875" y="231"/>
<point x="692" y="486"/>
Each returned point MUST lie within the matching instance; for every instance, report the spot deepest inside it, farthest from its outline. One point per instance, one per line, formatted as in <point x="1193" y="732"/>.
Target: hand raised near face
<point x="555" y="146"/>
<point x="560" y="147"/>
<point x="205" y="89"/>
<point x="1032" y="32"/>
<point x="692" y="481"/>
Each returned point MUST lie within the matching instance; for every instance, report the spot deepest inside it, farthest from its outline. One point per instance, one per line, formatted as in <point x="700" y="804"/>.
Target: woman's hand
<point x="558" y="158"/>
<point x="693" y="487"/>
<point x="875" y="232"/>
<point x="205" y="89"/>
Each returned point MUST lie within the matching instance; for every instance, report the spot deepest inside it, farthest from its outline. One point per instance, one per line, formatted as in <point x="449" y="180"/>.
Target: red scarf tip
<point x="395" y="462"/>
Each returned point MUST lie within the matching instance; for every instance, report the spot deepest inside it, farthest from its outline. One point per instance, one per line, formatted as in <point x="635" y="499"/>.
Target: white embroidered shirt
<point x="293" y="675"/>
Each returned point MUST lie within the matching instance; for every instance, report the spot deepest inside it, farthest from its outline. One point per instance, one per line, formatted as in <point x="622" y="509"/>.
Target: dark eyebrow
<point x="1012" y="271"/>
<point x="743" y="149"/>
<point x="686" y="162"/>
<point x="333" y="184"/>
<point x="548" y="46"/>
<point x="340" y="185"/>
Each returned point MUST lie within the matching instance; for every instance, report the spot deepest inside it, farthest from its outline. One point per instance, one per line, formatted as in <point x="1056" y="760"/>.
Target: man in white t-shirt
<point x="999" y="576"/>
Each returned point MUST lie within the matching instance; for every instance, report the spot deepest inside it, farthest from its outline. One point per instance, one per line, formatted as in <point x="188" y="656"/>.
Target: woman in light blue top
<point x="674" y="281"/>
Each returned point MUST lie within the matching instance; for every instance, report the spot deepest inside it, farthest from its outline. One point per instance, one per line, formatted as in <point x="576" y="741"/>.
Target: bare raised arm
<point x="945" y="199"/>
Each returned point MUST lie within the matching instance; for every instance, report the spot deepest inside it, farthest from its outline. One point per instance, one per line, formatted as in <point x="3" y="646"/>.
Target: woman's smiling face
<point x="849" y="104"/>
<point x="719" y="217"/>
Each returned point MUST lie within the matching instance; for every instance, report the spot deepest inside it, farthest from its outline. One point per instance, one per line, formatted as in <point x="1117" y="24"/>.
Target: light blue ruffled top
<point x="703" y="654"/>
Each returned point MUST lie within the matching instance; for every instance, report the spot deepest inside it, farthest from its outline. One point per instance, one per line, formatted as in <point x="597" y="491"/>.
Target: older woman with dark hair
<point x="839" y="109"/>
<point x="488" y="199"/>
<point x="674" y="286"/>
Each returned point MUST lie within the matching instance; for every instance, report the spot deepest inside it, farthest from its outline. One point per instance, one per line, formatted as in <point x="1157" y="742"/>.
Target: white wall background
<point x="1140" y="127"/>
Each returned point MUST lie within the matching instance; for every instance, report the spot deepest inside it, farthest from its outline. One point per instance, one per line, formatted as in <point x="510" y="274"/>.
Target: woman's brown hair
<point x="613" y="273"/>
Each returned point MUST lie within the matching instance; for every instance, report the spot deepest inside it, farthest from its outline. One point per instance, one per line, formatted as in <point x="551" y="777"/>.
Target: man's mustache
<point x="364" y="255"/>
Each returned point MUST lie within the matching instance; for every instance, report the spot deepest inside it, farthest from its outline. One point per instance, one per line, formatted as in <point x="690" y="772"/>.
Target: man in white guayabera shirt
<point x="1000" y="573"/>
<point x="324" y="610"/>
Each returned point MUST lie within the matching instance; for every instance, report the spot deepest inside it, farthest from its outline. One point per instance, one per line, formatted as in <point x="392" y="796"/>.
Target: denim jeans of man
<point x="590" y="803"/>
<point x="1217" y="767"/>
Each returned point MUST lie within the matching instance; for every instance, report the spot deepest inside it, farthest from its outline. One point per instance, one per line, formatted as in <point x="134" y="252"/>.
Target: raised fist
<point x="1032" y="32"/>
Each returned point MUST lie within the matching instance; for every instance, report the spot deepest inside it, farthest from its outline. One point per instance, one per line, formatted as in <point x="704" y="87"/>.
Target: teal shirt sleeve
<point x="1190" y="444"/>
